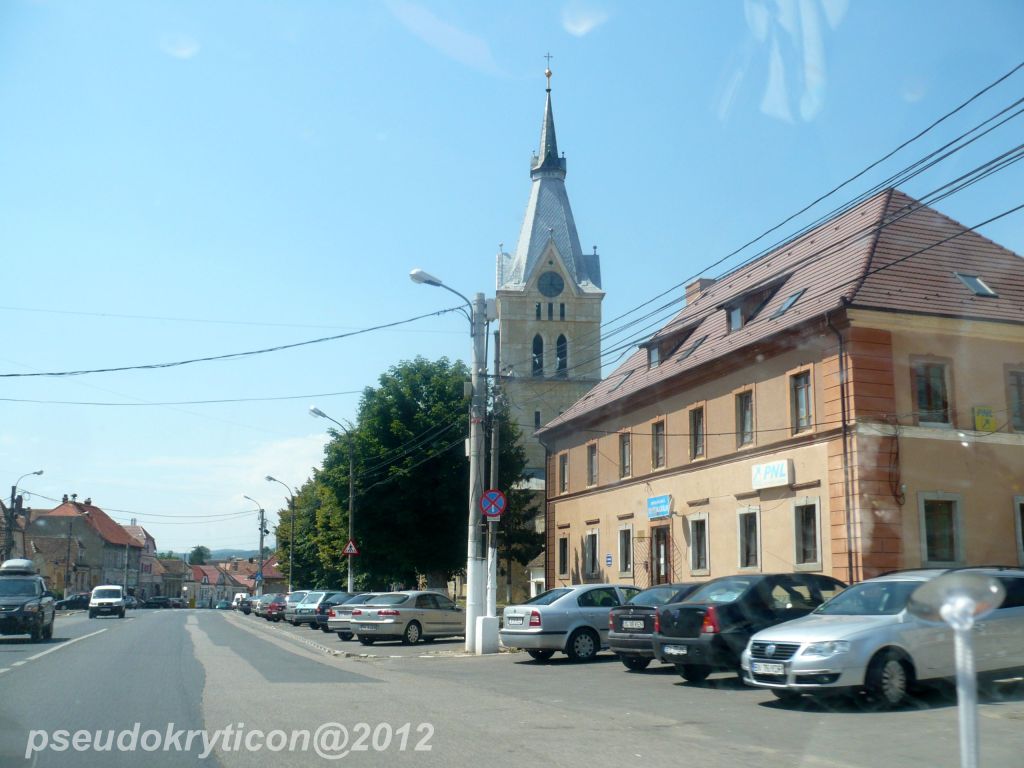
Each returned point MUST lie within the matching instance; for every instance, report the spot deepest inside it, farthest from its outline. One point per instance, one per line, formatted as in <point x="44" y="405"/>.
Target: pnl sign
<point x="772" y="475"/>
<point x="659" y="506"/>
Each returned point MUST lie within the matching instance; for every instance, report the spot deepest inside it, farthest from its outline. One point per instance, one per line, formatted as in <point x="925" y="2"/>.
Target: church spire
<point x="547" y="162"/>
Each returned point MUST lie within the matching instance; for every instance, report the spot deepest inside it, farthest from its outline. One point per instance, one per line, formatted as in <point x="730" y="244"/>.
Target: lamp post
<point x="9" y="540"/>
<point x="263" y="531"/>
<point x="477" y="314"/>
<point x="291" y="536"/>
<point x="318" y="414"/>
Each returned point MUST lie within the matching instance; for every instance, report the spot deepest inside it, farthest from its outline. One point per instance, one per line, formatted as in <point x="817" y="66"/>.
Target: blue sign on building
<point x="659" y="506"/>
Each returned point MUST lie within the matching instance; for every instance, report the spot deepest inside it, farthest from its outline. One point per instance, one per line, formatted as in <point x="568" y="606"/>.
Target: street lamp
<point x="263" y="531"/>
<point x="316" y="413"/>
<point x="291" y="536"/>
<point x="9" y="542"/>
<point x="477" y="314"/>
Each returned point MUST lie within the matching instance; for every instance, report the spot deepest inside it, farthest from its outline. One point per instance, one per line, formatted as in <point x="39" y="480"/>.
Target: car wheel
<point x="48" y="630"/>
<point x="324" y="629"/>
<point x="412" y="633"/>
<point x="786" y="696"/>
<point x="345" y="635"/>
<point x="121" y="614"/>
<point x="366" y="640"/>
<point x="37" y="633"/>
<point x="694" y="673"/>
<point x="635" y="663"/>
<point x="429" y="639"/>
<point x="540" y="655"/>
<point x="888" y="679"/>
<point x="92" y="615"/>
<point x="583" y="645"/>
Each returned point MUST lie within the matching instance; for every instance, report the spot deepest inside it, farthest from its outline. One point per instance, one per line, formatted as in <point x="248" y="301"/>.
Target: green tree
<point x="199" y="555"/>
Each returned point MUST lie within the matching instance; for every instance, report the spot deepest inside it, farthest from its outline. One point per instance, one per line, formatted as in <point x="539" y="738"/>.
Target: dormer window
<point x="660" y="349"/>
<point x="653" y="356"/>
<point x="789" y="302"/>
<point x="976" y="284"/>
<point x="747" y="307"/>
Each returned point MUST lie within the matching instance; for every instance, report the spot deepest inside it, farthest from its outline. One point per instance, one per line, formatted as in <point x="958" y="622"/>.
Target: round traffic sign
<point x="493" y="503"/>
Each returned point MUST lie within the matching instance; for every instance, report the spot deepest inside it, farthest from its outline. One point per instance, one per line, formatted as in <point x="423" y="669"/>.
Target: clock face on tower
<point x="551" y="284"/>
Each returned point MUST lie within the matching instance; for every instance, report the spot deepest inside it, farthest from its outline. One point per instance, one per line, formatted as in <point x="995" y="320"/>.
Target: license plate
<point x="676" y="650"/>
<point x="763" y="668"/>
<point x="367" y="628"/>
<point x="514" y="621"/>
<point x="632" y="624"/>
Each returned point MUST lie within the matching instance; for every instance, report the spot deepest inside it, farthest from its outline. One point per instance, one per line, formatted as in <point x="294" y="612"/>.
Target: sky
<point x="190" y="179"/>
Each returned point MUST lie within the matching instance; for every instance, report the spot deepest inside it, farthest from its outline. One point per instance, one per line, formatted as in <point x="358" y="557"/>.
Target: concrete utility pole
<point x="492" y="523"/>
<point x="291" y="536"/>
<point x="316" y="412"/>
<point x="126" y="569"/>
<point x="259" y="589"/>
<point x="67" y="563"/>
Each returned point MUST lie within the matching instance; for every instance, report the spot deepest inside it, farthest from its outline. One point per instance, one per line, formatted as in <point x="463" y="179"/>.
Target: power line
<point x="183" y="402"/>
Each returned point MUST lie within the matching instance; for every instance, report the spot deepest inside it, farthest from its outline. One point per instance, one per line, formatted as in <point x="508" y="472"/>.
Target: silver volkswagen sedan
<point x="407" y="616"/>
<point x="573" y="620"/>
<point x="864" y="638"/>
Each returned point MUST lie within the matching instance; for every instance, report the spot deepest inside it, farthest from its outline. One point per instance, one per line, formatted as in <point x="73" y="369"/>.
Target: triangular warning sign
<point x="350" y="548"/>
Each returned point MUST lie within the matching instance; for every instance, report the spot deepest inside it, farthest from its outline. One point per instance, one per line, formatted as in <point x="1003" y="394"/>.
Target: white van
<point x="107" y="600"/>
<point x="239" y="596"/>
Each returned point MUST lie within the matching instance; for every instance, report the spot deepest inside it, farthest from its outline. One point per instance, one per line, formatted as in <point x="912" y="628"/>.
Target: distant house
<point x="61" y="562"/>
<point x="176" y="576"/>
<point x="273" y="579"/>
<point x="150" y="570"/>
<point x="213" y="584"/>
<point x="111" y="554"/>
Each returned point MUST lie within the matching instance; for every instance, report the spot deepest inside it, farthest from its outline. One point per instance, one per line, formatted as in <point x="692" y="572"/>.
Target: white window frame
<point x="628" y="555"/>
<point x="563" y="472"/>
<point x="690" y="520"/>
<point x="958" y="528"/>
<point x="806" y="501"/>
<point x="592" y="458"/>
<point x="591" y="569"/>
<point x="1019" y="525"/>
<point x="756" y="512"/>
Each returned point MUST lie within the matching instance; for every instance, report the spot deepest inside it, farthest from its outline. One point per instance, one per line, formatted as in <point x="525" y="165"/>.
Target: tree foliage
<point x="199" y="555"/>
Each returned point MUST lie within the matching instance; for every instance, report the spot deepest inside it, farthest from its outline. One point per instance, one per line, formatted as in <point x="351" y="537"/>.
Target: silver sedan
<point x="339" y="617"/>
<point x="407" y="616"/>
<point x="573" y="620"/>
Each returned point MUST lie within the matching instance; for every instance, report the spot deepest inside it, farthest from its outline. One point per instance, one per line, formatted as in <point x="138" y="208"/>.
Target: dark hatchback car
<point x="244" y="605"/>
<point x="710" y="628"/>
<point x="75" y="602"/>
<point x="330" y="600"/>
<point x="157" y="601"/>
<point x="630" y="625"/>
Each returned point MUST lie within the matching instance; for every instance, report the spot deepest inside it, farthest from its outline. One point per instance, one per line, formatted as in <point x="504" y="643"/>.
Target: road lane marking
<point x="18" y="663"/>
<point x="62" y="645"/>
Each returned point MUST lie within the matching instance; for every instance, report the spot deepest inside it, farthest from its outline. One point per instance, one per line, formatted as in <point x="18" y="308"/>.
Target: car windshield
<point x="360" y="599"/>
<point x="392" y="599"/>
<point x="547" y="598"/>
<point x="17" y="587"/>
<point x="313" y="597"/>
<point x="106" y="594"/>
<point x="296" y="597"/>
<point x="870" y="598"/>
<point x="721" y="591"/>
<point x="653" y="596"/>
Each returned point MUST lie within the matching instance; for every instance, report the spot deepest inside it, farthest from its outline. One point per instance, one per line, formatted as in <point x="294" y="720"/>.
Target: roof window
<point x="789" y="302"/>
<point x="692" y="348"/>
<point x="747" y="307"/>
<point x="976" y="284"/>
<point x="661" y="348"/>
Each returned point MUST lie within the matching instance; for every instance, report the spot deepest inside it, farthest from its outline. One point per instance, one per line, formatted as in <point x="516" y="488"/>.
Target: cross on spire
<point x="547" y="71"/>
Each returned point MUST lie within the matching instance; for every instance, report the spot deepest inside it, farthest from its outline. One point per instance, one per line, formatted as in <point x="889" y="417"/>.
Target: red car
<point x="275" y="610"/>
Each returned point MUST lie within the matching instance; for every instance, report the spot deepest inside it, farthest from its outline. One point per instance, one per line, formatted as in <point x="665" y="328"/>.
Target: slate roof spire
<point x="548" y="219"/>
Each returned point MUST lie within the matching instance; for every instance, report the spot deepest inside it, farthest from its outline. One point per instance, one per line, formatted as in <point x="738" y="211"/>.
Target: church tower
<point x="549" y="304"/>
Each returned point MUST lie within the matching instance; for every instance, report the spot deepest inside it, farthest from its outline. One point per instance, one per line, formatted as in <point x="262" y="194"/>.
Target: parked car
<point x="244" y="605"/>
<point x="304" y="611"/>
<point x="76" y="602"/>
<point x="865" y="639"/>
<point x="131" y="602"/>
<point x="262" y="603"/>
<point x="630" y="625"/>
<point x="157" y="601"/>
<point x="223" y="605"/>
<point x="339" y="617"/>
<point x="573" y="620"/>
<point x="107" y="600"/>
<point x="275" y="608"/>
<point x="407" y="616"/>
<point x="292" y="600"/>
<point x="179" y="602"/>
<point x="26" y="605"/>
<point x="710" y="628"/>
<point x="330" y="600"/>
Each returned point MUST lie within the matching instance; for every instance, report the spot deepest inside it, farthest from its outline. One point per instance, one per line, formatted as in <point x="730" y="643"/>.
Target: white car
<point x="107" y="600"/>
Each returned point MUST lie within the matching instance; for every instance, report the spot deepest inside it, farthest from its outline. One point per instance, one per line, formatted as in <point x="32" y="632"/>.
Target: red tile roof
<point x="849" y="260"/>
<point x="98" y="520"/>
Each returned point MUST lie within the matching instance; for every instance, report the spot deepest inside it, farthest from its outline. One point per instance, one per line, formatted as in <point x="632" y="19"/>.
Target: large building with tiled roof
<point x="849" y="403"/>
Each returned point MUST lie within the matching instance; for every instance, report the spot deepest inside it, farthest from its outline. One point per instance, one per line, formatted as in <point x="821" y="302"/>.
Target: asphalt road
<point x="272" y="683"/>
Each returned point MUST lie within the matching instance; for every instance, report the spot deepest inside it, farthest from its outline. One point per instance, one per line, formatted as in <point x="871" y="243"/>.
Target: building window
<point x="626" y="549"/>
<point x="592" y="464"/>
<point x="1018" y="515"/>
<point x="563" y="472"/>
<point x="653" y="356"/>
<point x="563" y="556"/>
<point x="807" y="533"/>
<point x="931" y="393"/>
<point x="940" y="529"/>
<point x="976" y="284"/>
<point x="538" y="355"/>
<point x="562" y="356"/>
<point x="741" y="312"/>
<point x="561" y="311"/>
<point x="748" y="537"/>
<point x="537" y="308"/>
<point x="800" y="401"/>
<point x="699" y="544"/>
<point x="744" y="418"/>
<point x="696" y="432"/>
<point x="551" y="311"/>
<point x="1015" y="385"/>
<point x="536" y="419"/>
<point x="591" y="561"/>
<point x="625" y="455"/>
<point x="658" y="444"/>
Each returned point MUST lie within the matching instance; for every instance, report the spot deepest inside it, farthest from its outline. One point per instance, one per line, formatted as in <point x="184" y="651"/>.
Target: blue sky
<point x="183" y="179"/>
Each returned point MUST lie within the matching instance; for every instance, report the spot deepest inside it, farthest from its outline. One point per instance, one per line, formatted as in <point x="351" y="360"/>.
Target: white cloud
<point x="180" y="47"/>
<point x="453" y="42"/>
<point x="581" y="18"/>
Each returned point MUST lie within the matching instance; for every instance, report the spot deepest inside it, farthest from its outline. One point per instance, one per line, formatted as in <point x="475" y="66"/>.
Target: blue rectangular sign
<point x="659" y="506"/>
